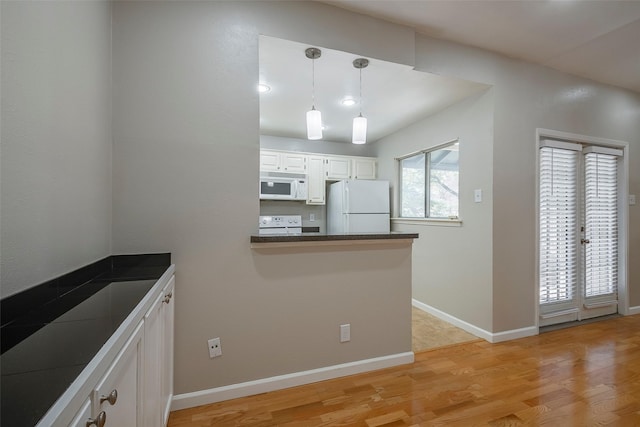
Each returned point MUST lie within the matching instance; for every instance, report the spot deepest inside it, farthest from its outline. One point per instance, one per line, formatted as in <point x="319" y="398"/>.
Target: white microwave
<point x="283" y="188"/>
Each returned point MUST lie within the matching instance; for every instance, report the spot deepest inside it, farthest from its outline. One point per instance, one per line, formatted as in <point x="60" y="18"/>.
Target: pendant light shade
<point x="314" y="124"/>
<point x="359" y="130"/>
<point x="359" y="135"/>
<point x="314" y="117"/>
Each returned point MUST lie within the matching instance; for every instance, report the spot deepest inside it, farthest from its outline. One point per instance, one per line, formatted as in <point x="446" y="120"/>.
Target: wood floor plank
<point x="588" y="375"/>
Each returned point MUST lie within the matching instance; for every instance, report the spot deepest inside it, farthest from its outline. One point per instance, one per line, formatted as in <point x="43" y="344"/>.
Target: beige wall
<point x="185" y="156"/>
<point x="186" y="144"/>
<point x="452" y="264"/>
<point x="56" y="139"/>
<point x="528" y="97"/>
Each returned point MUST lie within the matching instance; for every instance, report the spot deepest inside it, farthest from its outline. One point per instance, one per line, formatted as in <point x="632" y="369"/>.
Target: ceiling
<point x="598" y="39"/>
<point x="393" y="95"/>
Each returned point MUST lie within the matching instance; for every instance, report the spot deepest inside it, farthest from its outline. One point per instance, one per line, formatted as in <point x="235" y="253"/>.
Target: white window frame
<point x="446" y="222"/>
<point x="623" y="292"/>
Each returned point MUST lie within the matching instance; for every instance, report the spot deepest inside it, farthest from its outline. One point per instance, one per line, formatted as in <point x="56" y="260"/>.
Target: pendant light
<point x="360" y="123"/>
<point x="314" y="117"/>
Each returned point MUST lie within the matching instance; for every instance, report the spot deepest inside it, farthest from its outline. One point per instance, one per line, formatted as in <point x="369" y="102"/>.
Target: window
<point x="429" y="183"/>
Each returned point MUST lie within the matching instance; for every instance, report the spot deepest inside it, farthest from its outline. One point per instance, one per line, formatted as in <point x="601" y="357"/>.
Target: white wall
<point x="56" y="139"/>
<point x="452" y="265"/>
<point x="528" y="97"/>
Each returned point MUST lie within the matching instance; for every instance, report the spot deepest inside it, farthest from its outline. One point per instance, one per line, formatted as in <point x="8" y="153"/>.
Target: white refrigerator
<point x="358" y="206"/>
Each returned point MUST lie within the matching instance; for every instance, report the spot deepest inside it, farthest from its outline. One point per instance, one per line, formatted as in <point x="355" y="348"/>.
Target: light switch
<point x="477" y="195"/>
<point x="632" y="199"/>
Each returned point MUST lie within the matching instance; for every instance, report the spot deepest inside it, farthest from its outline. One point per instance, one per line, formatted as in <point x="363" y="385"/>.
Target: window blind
<point x="601" y="224"/>
<point x="558" y="222"/>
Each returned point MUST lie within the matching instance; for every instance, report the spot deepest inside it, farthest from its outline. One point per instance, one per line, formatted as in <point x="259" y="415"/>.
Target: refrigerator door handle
<point x="346" y="198"/>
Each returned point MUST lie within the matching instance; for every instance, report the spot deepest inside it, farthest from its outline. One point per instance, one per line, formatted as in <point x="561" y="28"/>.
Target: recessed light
<point x="348" y="102"/>
<point x="262" y="88"/>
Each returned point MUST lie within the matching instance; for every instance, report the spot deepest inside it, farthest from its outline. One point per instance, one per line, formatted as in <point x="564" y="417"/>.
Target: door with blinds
<point x="578" y="231"/>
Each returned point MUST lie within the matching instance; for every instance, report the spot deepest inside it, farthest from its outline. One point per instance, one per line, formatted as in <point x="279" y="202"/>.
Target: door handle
<point x="584" y="241"/>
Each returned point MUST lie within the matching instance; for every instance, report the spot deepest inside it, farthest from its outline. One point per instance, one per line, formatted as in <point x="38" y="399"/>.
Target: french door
<point x="578" y="231"/>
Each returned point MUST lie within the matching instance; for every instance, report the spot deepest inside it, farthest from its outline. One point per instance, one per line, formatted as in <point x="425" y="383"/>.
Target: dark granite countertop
<point x="54" y="330"/>
<point x="323" y="237"/>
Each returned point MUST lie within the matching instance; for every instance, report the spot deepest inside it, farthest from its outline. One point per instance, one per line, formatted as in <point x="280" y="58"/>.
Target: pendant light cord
<point x="360" y="92"/>
<point x="313" y="84"/>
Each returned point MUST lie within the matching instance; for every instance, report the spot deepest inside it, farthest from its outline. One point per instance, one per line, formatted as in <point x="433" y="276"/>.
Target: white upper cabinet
<point x="282" y="161"/>
<point x="338" y="167"/>
<point x="315" y="181"/>
<point x="318" y="168"/>
<point x="343" y="167"/>
<point x="364" y="167"/>
<point x="269" y="161"/>
<point x="294" y="162"/>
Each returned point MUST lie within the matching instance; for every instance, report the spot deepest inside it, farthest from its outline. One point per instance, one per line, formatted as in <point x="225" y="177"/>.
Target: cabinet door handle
<point x="97" y="421"/>
<point x="112" y="398"/>
<point x="167" y="297"/>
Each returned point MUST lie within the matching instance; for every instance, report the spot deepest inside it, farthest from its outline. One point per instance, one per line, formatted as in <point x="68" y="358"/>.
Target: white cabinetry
<point x="315" y="181"/>
<point x="118" y="393"/>
<point x="129" y="383"/>
<point x="318" y="169"/>
<point x="343" y="167"/>
<point x="364" y="167"/>
<point x="153" y="363"/>
<point x="84" y="414"/>
<point x="158" y="358"/>
<point x="282" y="161"/>
<point x="167" y="351"/>
<point x="338" y="167"/>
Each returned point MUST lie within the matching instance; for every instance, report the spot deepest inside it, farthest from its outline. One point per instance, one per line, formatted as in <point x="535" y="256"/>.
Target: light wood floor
<point x="428" y="332"/>
<point x="583" y="376"/>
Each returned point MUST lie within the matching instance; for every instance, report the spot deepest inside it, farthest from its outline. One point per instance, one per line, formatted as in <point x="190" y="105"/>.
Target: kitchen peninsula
<point x="328" y="282"/>
<point x="261" y="241"/>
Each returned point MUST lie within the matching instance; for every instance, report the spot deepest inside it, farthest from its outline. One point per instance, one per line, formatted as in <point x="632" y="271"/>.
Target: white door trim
<point x="623" y="289"/>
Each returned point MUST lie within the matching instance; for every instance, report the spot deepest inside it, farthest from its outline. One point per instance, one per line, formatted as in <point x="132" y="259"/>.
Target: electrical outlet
<point x="632" y="199"/>
<point x="215" y="348"/>
<point x="477" y="195"/>
<point x="312" y="217"/>
<point x="345" y="332"/>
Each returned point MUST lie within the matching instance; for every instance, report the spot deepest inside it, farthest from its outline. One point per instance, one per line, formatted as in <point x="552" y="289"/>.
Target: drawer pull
<point x="97" y="421"/>
<point x="112" y="398"/>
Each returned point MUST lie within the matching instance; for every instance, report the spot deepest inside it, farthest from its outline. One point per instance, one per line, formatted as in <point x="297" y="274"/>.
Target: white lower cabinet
<point x="136" y="388"/>
<point x="158" y="358"/>
<point x="83" y="415"/>
<point x="167" y="351"/>
<point x="118" y="393"/>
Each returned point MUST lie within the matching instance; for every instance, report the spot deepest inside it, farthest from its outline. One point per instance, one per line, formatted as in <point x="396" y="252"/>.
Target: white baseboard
<point x="472" y="329"/>
<point x="633" y="310"/>
<point x="219" y="394"/>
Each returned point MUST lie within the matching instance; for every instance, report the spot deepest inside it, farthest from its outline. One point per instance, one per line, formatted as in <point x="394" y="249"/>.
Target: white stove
<point x="280" y="224"/>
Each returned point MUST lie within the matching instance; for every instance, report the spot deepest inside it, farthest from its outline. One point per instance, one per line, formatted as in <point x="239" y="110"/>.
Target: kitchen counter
<point x="52" y="333"/>
<point x="259" y="241"/>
